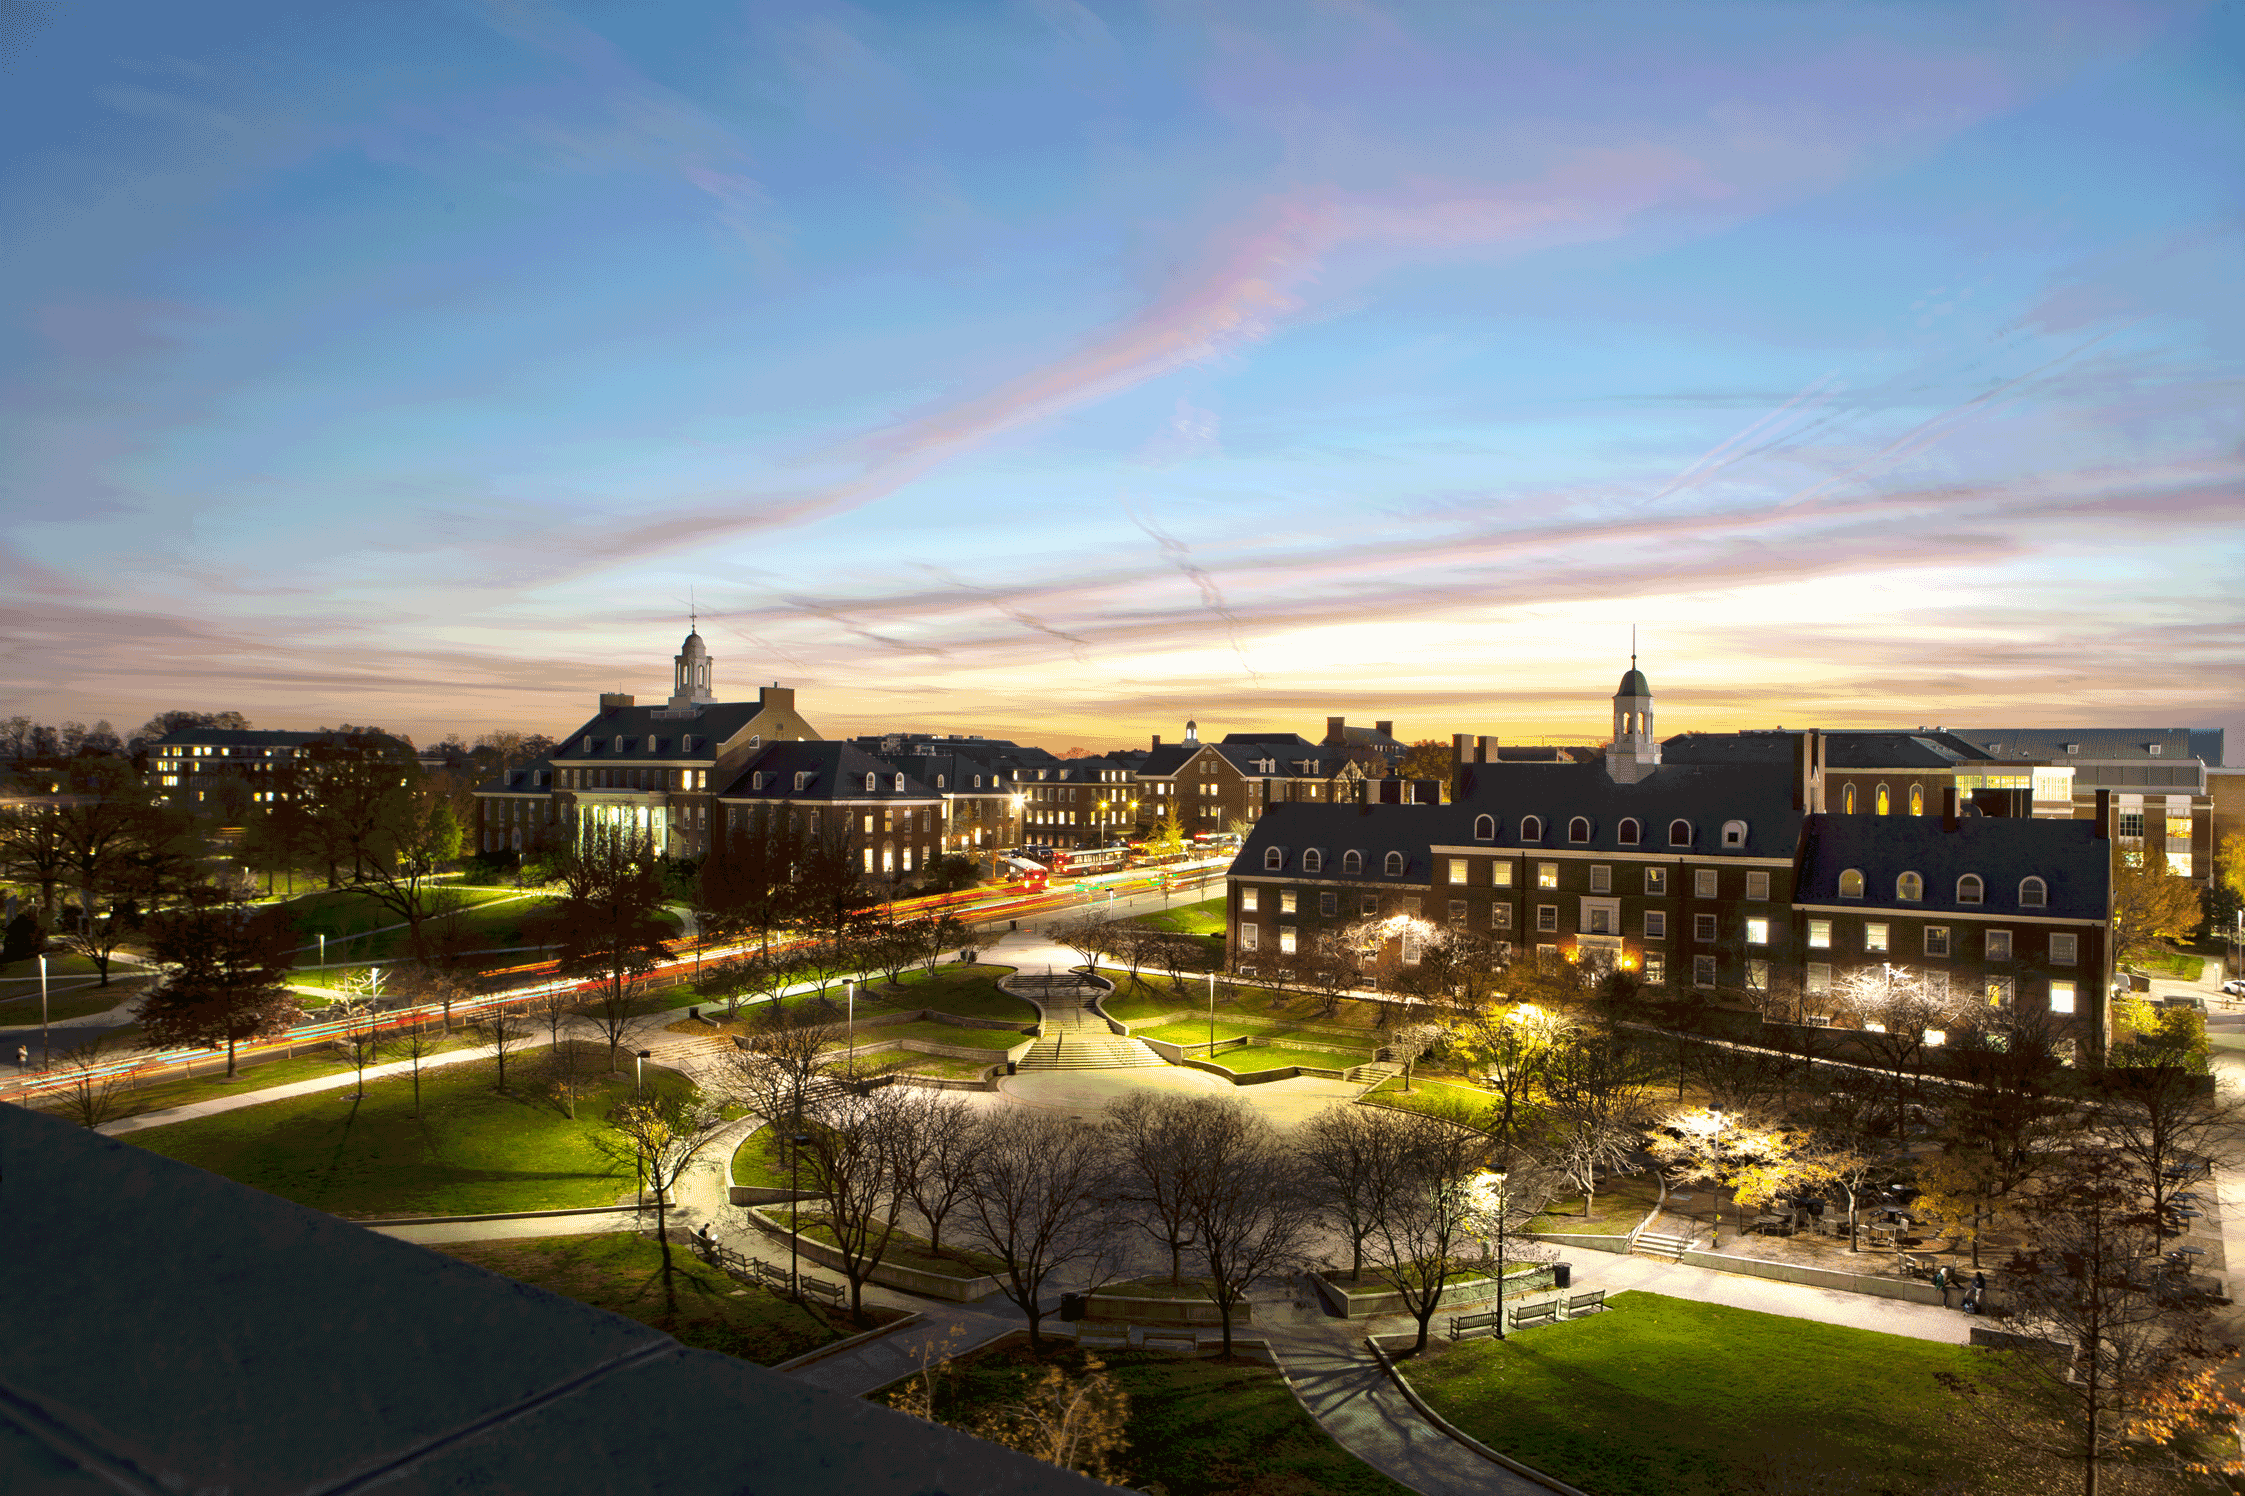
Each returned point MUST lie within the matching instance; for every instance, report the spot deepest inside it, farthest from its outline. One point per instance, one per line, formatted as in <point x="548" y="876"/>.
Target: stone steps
<point x="1657" y="1244"/>
<point x="1088" y="1051"/>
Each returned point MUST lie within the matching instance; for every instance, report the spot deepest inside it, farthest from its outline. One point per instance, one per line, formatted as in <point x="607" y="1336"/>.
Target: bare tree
<point x="1151" y="1187"/>
<point x="1034" y="1204"/>
<point x="418" y="1044"/>
<point x="556" y="1005"/>
<point x="1243" y="1194"/>
<point x="1430" y="1209"/>
<point x="2168" y="1123"/>
<point x="94" y="1078"/>
<point x="1597" y="1103"/>
<point x="1090" y="936"/>
<point x="663" y="1129"/>
<point x="940" y="1130"/>
<point x="363" y="1041"/>
<point x="503" y="1029"/>
<point x="1349" y="1157"/>
<point x="608" y="923"/>
<point x="1174" y="955"/>
<point x="780" y="1065"/>
<point x="619" y="1010"/>
<point x="226" y="978"/>
<point x="1895" y="1008"/>
<point x="860" y="1155"/>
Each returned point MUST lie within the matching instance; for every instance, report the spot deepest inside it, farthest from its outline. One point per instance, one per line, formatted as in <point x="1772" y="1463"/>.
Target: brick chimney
<point x="1385" y="729"/>
<point x="2104" y="815"/>
<point x="1485" y="750"/>
<point x="1336" y="729"/>
<point x="611" y="700"/>
<point x="1157" y="740"/>
<point x="1949" y="810"/>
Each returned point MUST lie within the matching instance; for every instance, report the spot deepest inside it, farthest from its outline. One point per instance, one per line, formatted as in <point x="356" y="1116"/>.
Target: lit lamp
<point x="1500" y="1180"/>
<point x="639" y="1069"/>
<point x="795" y="1209"/>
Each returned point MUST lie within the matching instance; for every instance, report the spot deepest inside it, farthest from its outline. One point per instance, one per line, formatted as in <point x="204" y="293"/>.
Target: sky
<point x="1063" y="370"/>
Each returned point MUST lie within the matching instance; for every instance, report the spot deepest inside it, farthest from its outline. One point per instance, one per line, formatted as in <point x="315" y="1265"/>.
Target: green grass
<point x="1667" y="1397"/>
<point x="1621" y="1204"/>
<point x="488" y="919"/>
<point x="943" y="1033"/>
<point x="281" y="1072"/>
<point x="473" y="1150"/>
<point x="15" y="975"/>
<point x="1427" y="1094"/>
<point x="22" y="1010"/>
<point x="2174" y="964"/>
<point x="621" y="1271"/>
<point x="1275" y="1057"/>
<point x="963" y="991"/>
<point x="904" y="1249"/>
<point x="760" y="1162"/>
<point x="1204" y="918"/>
<point x="1196" y="1427"/>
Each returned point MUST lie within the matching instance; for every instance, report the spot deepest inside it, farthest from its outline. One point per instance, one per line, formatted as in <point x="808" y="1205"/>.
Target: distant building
<point x="196" y="767"/>
<point x="2163" y="806"/>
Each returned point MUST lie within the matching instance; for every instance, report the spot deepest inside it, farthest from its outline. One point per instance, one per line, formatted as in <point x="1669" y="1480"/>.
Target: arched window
<point x="1531" y="828"/>
<point x="1352" y="861"/>
<point x="1629" y="832"/>
<point x="1395" y="864"/>
<point x="1679" y="833"/>
<point x="939" y="781"/>
<point x="1910" y="888"/>
<point x="1880" y="804"/>
<point x="1969" y="888"/>
<point x="1273" y="859"/>
<point x="1847" y="800"/>
<point x="1851" y="883"/>
<point x="1578" y="829"/>
<point x="1313" y="861"/>
<point x="1734" y="833"/>
<point x="871" y="781"/>
<point x="1917" y="799"/>
<point x="1484" y="828"/>
<point x="2033" y="893"/>
<point x="900" y="784"/>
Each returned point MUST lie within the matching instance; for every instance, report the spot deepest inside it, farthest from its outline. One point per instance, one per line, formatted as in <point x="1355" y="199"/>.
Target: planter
<point x="1109" y="1306"/>
<point x="888" y="1275"/>
<point x="1361" y="1302"/>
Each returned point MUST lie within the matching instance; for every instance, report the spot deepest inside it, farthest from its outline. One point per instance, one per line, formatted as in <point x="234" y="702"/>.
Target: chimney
<point x="2104" y="815"/>
<point x="1384" y="729"/>
<point x="1949" y="808"/>
<point x="1157" y="740"/>
<point x="776" y="697"/>
<point x="611" y="700"/>
<point x="1336" y="729"/>
<point x="1461" y="754"/>
<point x="1485" y="751"/>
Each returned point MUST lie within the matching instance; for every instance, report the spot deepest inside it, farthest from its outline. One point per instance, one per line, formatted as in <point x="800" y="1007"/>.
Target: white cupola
<point x="1635" y="752"/>
<point x="690" y="679"/>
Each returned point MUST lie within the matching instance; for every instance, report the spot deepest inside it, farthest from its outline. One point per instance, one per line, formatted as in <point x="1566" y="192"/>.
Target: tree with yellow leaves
<point x="2149" y="906"/>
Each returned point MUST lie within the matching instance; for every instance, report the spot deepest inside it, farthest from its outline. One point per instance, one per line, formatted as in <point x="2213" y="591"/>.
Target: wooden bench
<point x="831" y="1292"/>
<point x="1595" y="1299"/>
<point x="1462" y="1325"/>
<point x="1545" y="1313"/>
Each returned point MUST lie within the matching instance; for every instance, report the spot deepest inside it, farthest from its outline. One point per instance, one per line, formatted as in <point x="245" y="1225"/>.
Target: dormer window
<point x="2072" y="747"/>
<point x="2152" y="749"/>
<point x="1909" y="889"/>
<point x="872" y="782"/>
<point x="1273" y="860"/>
<point x="1313" y="861"/>
<point x="1629" y="833"/>
<point x="1578" y="829"/>
<point x="1679" y="833"/>
<point x="1734" y="834"/>
<point x="978" y="781"/>
<point x="1352" y="861"/>
<point x="939" y="781"/>
<point x="900" y="784"/>
<point x="588" y="745"/>
<point x="1851" y="883"/>
<point x="1531" y="828"/>
<point x="1969" y="889"/>
<point x="1484" y="828"/>
<point x="756" y="781"/>
<point x="1395" y="864"/>
<point x="2033" y="893"/>
<point x="802" y="780"/>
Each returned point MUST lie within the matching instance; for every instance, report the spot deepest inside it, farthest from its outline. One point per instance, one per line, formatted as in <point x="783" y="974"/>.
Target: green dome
<point x="1633" y="684"/>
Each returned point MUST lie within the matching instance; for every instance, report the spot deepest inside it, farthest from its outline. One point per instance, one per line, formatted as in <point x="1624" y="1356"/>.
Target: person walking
<point x="1941" y="1281"/>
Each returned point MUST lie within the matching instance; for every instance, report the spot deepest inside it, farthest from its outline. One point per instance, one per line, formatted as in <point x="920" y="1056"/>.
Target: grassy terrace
<point x="963" y="991"/>
<point x="316" y="1062"/>
<point x="1204" y="918"/>
<point x="1427" y="1093"/>
<point x="904" y="1249"/>
<point x="473" y="1150"/>
<point x="19" y="1002"/>
<point x="1197" y="1427"/>
<point x="1257" y="1057"/>
<point x="621" y="1271"/>
<point x="486" y="918"/>
<point x="1621" y="1203"/>
<point x="1250" y="1009"/>
<point x="941" y="1033"/>
<point x="1667" y="1397"/>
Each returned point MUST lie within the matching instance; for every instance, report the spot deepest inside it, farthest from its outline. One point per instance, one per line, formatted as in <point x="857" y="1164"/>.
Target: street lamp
<point x="42" y="1010"/>
<point x="1500" y="1253"/>
<point x="849" y="1029"/>
<point x="1212" y="1015"/>
<point x="795" y="1209"/>
<point x="639" y="1069"/>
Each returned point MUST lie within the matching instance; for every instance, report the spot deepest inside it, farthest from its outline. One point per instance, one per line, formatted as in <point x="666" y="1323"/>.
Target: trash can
<point x="1562" y="1274"/>
<point x="1071" y="1306"/>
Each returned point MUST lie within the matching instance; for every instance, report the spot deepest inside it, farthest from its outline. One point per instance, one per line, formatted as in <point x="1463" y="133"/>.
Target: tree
<point x="1429" y="1209"/>
<point x="1076" y="1422"/>
<point x="356" y="786"/>
<point x="860" y="1156"/>
<point x="829" y="897"/>
<point x="2132" y="1358"/>
<point x="163" y="724"/>
<point x="419" y="1044"/>
<point x="1507" y="1049"/>
<point x="104" y="811"/>
<point x="780" y="1064"/>
<point x="1243" y="1196"/>
<point x="1754" y="1157"/>
<point x="32" y="848"/>
<point x="1168" y="839"/>
<point x="1596" y="1103"/>
<point x="94" y="1078"/>
<point x="940" y="1129"/>
<point x="101" y="932"/>
<point x="1896" y="1008"/>
<point x="1149" y="1133"/>
<point x="745" y="886"/>
<point x="1176" y="955"/>
<point x="663" y="1130"/>
<point x="504" y="1030"/>
<point x="1089" y="935"/>
<point x="399" y="864"/>
<point x="1349" y="1158"/>
<point x="363" y="1040"/>
<point x="2166" y="1122"/>
<point x="608" y="923"/>
<point x="2150" y="905"/>
<point x="1034" y="1204"/>
<point x="1428" y="759"/>
<point x="227" y="969"/>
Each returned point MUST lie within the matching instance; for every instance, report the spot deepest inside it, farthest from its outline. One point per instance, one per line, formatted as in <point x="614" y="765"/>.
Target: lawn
<point x="1622" y="1202"/>
<point x="1204" y="918"/>
<point x="1196" y="1427"/>
<point x="486" y="920"/>
<point x="1256" y="1057"/>
<point x="942" y="1033"/>
<point x="904" y="1249"/>
<point x="19" y="1008"/>
<point x="963" y="991"/>
<point x="473" y="1151"/>
<point x="1668" y="1397"/>
<point x="621" y="1271"/>
<point x="1426" y="1094"/>
<point x="308" y="1066"/>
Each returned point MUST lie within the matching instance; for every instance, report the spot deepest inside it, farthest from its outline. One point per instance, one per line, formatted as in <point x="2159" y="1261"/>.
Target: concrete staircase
<point x="1373" y="1072"/>
<point x="692" y="1049"/>
<point x="1656" y="1244"/>
<point x="1076" y="1037"/>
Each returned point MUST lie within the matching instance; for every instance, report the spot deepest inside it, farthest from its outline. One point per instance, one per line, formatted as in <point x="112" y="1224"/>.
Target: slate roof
<point x="1165" y="761"/>
<point x="263" y="1348"/>
<point x="2096" y="742"/>
<point x="1706" y="795"/>
<point x="534" y="778"/>
<point x="957" y="772"/>
<point x="651" y="738"/>
<point x="1334" y="830"/>
<point x="1842" y="750"/>
<point x="2066" y="854"/>
<point x="1281" y="739"/>
<point x="837" y="772"/>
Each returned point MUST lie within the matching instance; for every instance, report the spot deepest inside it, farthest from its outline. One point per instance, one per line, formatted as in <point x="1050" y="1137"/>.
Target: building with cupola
<point x="1757" y="869"/>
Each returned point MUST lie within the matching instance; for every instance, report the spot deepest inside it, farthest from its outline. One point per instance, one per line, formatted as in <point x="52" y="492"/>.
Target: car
<point x="2184" y="1002"/>
<point x="2235" y="986"/>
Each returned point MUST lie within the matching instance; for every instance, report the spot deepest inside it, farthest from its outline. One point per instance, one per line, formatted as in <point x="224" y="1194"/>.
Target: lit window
<point x="1757" y="885"/>
<point x="1457" y="911"/>
<point x="1500" y="917"/>
<point x="1757" y="976"/>
<point x="1851" y="884"/>
<point x="1656" y="924"/>
<point x="1547" y="918"/>
<point x="1411" y="947"/>
<point x="1286" y="940"/>
<point x="1882" y="804"/>
<point x="1547" y="875"/>
<point x="2033" y="893"/>
<point x="1937" y="940"/>
<point x="1874" y="937"/>
<point x="1656" y="883"/>
<point x="1500" y="873"/>
<point x="1969" y="888"/>
<point x="1578" y="829"/>
<point x="2061" y="997"/>
<point x="1998" y="992"/>
<point x="1999" y="945"/>
<point x="1847" y="800"/>
<point x="1909" y="888"/>
<point x="1250" y="937"/>
<point x="1819" y="978"/>
<point x="1703" y="883"/>
<point x="2063" y="946"/>
<point x="1601" y="879"/>
<point x="1656" y="970"/>
<point x="1250" y="899"/>
<point x="1629" y="833"/>
<point x="1819" y="934"/>
<point x="1757" y="932"/>
<point x="1457" y="870"/>
<point x="1286" y="901"/>
<point x="1703" y="927"/>
<point x="1917" y="800"/>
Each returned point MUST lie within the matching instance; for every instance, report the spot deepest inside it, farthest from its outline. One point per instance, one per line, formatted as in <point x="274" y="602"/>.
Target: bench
<point x="1595" y="1299"/>
<point x="1462" y="1325"/>
<point x="831" y="1292"/>
<point x="1545" y="1313"/>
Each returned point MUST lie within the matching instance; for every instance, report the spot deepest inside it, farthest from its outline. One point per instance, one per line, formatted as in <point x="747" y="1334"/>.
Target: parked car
<point x="2235" y="986"/>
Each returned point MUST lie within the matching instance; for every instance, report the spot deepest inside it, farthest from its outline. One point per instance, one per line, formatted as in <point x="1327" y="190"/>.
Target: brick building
<point x="891" y="820"/>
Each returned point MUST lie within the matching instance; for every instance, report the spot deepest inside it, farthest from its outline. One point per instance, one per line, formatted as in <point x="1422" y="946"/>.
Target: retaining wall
<point x="1908" y="1289"/>
<point x="1586" y="1240"/>
<point x="1358" y="1304"/>
<point x="888" y="1274"/>
<point x="1109" y="1306"/>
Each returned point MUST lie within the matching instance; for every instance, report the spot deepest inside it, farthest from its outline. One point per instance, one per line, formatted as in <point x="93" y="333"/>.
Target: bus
<point x="1078" y="862"/>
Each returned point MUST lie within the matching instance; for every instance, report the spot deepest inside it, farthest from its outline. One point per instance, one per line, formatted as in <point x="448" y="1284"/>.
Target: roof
<point x="1078" y="771"/>
<point x="2066" y="854"/>
<point x="1295" y="827"/>
<point x="1282" y="739"/>
<point x="951" y="773"/>
<point x="655" y="734"/>
<point x="1932" y="751"/>
<point x="269" y="1348"/>
<point x="2088" y="742"/>
<point x="837" y="771"/>
<point x="1634" y="684"/>
<point x="1705" y="796"/>
<point x="533" y="778"/>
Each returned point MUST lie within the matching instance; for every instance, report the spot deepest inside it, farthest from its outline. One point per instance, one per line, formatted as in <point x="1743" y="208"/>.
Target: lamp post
<point x="323" y="952"/>
<point x="1500" y="1253"/>
<point x="639" y="1070"/>
<point x="1212" y="1015"/>
<point x="42" y="1010"/>
<point x="795" y="1209"/>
